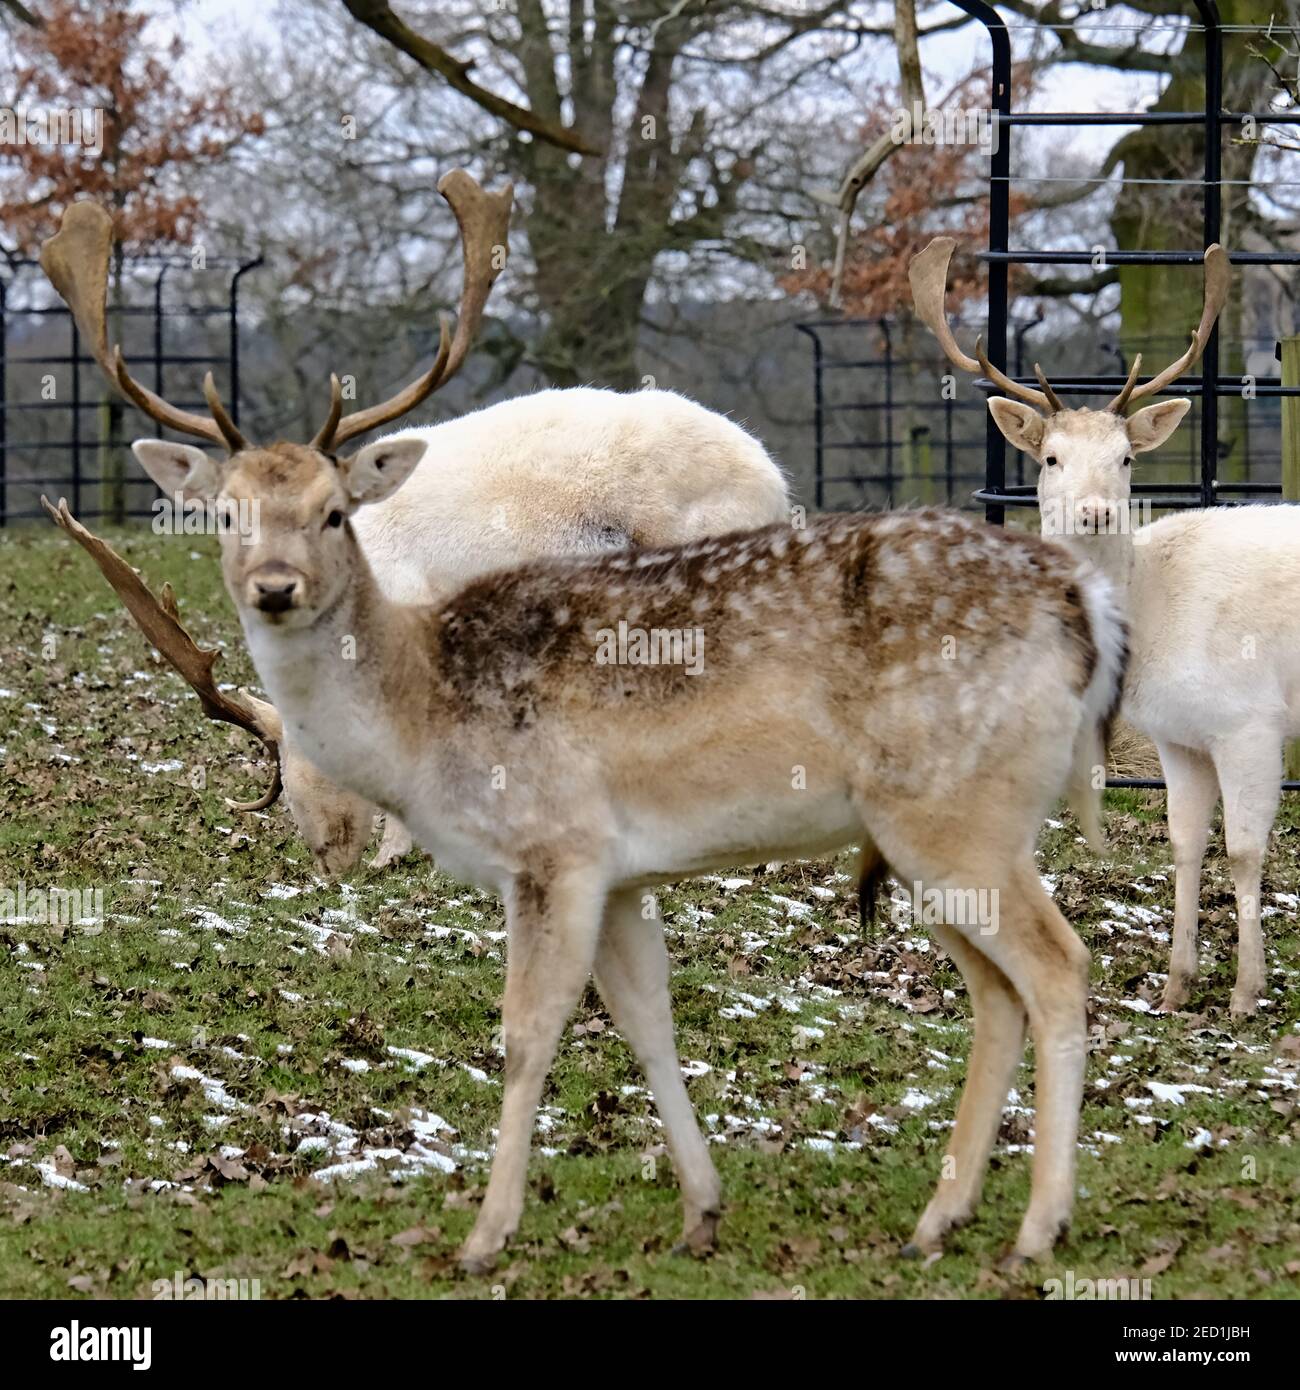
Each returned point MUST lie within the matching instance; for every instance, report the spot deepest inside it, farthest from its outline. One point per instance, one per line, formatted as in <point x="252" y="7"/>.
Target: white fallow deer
<point x="557" y="472"/>
<point x="571" y="733"/>
<point x="1213" y="603"/>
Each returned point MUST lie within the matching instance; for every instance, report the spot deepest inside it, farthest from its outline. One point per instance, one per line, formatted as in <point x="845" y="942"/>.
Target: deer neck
<point x="1112" y="555"/>
<point x="336" y="683"/>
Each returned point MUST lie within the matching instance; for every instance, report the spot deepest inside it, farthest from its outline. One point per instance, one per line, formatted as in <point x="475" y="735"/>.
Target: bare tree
<point x="157" y="132"/>
<point x="678" y="107"/>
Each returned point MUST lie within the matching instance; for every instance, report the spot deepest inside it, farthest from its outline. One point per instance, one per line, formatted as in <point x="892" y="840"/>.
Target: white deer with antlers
<point x="557" y="472"/>
<point x="1212" y="598"/>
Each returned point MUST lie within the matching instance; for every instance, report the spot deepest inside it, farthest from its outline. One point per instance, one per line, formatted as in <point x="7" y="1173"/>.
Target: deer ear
<point x="1021" y="424"/>
<point x="179" y="468"/>
<point x="378" y="470"/>
<point x="1149" y="427"/>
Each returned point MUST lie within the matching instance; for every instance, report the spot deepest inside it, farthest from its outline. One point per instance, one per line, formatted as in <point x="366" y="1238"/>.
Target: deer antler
<point x="928" y="274"/>
<point x="1117" y="405"/>
<point x="159" y="621"/>
<point x="1218" y="273"/>
<point x="76" y="260"/>
<point x="484" y="221"/>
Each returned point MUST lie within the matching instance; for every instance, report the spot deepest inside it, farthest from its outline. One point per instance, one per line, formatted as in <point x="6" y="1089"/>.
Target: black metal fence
<point x="1208" y="487"/>
<point x="886" y="433"/>
<point x="62" y="429"/>
<point x="883" y="433"/>
<point x="1210" y="386"/>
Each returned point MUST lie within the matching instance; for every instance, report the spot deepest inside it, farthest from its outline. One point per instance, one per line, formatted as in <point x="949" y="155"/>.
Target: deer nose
<point x="275" y="594"/>
<point x="1095" y="513"/>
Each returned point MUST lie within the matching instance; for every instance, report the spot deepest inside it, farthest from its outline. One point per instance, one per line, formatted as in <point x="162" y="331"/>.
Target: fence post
<point x="4" y="397"/>
<point x="1289" y="351"/>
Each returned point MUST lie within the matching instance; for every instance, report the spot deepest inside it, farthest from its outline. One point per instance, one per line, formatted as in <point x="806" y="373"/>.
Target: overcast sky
<point x="208" y="24"/>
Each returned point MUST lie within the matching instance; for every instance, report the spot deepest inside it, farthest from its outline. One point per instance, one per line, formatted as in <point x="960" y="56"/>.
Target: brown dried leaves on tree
<point x="157" y="128"/>
<point x="919" y="192"/>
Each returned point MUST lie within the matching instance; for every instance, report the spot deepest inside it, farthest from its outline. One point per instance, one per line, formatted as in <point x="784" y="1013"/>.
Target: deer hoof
<point x="702" y="1238"/>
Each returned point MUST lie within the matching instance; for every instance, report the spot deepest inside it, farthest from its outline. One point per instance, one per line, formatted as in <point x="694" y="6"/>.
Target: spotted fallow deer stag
<point x="572" y="733"/>
<point x="556" y="472"/>
<point x="1212" y="599"/>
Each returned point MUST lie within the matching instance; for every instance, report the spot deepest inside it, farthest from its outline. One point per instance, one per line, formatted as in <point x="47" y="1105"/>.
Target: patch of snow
<point x="213" y="1090"/>
<point x="52" y="1179"/>
<point x="409" y="1054"/>
<point x="1175" y="1094"/>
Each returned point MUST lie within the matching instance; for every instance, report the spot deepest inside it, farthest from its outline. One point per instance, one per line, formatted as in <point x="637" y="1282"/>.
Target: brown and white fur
<point x="564" y="472"/>
<point x="916" y="679"/>
<point x="1214" y="669"/>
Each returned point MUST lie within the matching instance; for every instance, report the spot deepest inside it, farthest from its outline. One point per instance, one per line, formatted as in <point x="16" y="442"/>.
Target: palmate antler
<point x="484" y="221"/>
<point x="928" y="274"/>
<point x="76" y="260"/>
<point x="1218" y="274"/>
<point x="160" y="622"/>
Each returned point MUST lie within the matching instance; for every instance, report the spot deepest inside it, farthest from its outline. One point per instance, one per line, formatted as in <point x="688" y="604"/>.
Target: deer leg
<point x="632" y="974"/>
<point x="872" y="873"/>
<point x="1193" y="790"/>
<point x="994" y="1056"/>
<point x="1047" y="965"/>
<point x="335" y="823"/>
<point x="395" y="844"/>
<point x="552" y="925"/>
<point x="1250" y="771"/>
<point x="1045" y="968"/>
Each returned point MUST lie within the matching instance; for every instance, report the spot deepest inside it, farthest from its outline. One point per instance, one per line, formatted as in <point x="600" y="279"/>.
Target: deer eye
<point x="1050" y="460"/>
<point x="334" y="519"/>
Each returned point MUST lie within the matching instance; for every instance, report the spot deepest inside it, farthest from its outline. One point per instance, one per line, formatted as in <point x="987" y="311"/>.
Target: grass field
<point x="242" y="1072"/>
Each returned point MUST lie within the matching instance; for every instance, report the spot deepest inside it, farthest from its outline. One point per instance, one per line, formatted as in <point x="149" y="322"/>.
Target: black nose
<point x="276" y="595"/>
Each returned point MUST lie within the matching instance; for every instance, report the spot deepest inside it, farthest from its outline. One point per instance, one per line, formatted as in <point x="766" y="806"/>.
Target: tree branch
<point x="864" y="168"/>
<point x="1058" y="286"/>
<point x="1074" y="49"/>
<point x="16" y="7"/>
<point x="378" y="16"/>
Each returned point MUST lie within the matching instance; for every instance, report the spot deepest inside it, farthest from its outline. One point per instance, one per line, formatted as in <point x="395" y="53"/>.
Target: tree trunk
<point x="590" y="281"/>
<point x="1160" y="305"/>
<point x="594" y="263"/>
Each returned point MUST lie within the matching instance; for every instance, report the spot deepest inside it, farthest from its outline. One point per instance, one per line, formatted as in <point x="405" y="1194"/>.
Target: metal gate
<point x="997" y="493"/>
<point x="1208" y="387"/>
<point x="48" y="441"/>
<point x="878" y="438"/>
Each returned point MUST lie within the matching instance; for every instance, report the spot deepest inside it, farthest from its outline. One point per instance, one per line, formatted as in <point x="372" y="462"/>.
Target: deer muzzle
<point x="274" y="589"/>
